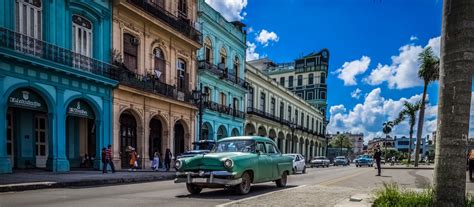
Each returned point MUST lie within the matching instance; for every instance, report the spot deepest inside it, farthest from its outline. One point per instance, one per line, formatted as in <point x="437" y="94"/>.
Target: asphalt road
<point x="167" y="193"/>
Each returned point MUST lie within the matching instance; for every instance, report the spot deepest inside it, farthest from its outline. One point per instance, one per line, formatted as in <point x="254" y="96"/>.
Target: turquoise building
<point x="221" y="74"/>
<point x="55" y="83"/>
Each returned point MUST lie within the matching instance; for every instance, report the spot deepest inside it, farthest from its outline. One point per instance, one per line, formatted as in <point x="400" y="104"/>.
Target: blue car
<point x="364" y="160"/>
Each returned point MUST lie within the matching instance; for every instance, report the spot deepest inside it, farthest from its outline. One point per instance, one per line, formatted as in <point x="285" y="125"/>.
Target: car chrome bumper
<point x="212" y="177"/>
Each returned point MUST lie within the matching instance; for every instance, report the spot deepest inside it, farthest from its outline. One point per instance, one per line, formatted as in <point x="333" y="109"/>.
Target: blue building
<point x="402" y="145"/>
<point x="56" y="83"/>
<point x="221" y="74"/>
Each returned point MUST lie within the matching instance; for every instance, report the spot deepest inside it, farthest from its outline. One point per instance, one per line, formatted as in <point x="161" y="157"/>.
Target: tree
<point x="409" y="111"/>
<point x="455" y="82"/>
<point x="387" y="128"/>
<point x="341" y="141"/>
<point x="429" y="72"/>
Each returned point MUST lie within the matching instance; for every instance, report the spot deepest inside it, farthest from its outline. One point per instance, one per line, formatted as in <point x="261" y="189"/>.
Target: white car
<point x="299" y="163"/>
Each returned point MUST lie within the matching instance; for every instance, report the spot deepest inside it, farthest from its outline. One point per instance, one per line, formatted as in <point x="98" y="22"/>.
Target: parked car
<point x="235" y="163"/>
<point x="364" y="160"/>
<point x="341" y="160"/>
<point x="319" y="161"/>
<point x="299" y="163"/>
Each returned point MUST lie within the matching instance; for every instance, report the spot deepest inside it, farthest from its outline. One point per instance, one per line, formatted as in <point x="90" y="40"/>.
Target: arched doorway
<point x="128" y="137"/>
<point x="221" y="132"/>
<point x="207" y="131"/>
<point x="178" y="138"/>
<point x="235" y="132"/>
<point x="262" y="131"/>
<point x="81" y="136"/>
<point x="301" y="146"/>
<point x="27" y="129"/>
<point x="281" y="138"/>
<point x="272" y="134"/>
<point x="155" y="139"/>
<point x="288" y="143"/>
<point x="249" y="129"/>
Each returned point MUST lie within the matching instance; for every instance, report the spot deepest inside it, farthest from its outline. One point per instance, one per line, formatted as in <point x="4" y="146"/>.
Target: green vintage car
<point x="235" y="163"/>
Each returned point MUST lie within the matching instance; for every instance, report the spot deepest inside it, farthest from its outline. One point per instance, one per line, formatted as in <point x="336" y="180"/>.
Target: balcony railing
<point x="224" y="109"/>
<point x="222" y="73"/>
<point x="151" y="84"/>
<point x="181" y="25"/>
<point x="34" y="47"/>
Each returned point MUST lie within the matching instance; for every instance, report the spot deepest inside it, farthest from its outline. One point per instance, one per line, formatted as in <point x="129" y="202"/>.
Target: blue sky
<point x="373" y="44"/>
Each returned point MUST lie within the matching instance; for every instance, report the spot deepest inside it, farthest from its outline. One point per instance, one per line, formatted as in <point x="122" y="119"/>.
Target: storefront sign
<point x="26" y="99"/>
<point x="80" y="109"/>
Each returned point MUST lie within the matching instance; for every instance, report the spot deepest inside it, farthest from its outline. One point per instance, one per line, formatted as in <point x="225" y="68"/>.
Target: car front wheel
<point x="193" y="189"/>
<point x="282" y="181"/>
<point x="244" y="187"/>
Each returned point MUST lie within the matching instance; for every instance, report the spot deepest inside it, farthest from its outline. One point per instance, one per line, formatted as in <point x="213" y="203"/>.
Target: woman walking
<point x="133" y="160"/>
<point x="168" y="157"/>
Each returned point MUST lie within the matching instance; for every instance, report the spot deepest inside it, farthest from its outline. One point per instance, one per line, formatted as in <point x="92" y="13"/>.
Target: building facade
<point x="221" y="74"/>
<point x="276" y="112"/>
<point x="402" y="144"/>
<point x="383" y="143"/>
<point x="155" y="44"/>
<point x="306" y="76"/>
<point x="56" y="80"/>
<point x="356" y="139"/>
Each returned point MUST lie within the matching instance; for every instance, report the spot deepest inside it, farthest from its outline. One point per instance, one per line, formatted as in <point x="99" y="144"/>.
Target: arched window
<point x="208" y="50"/>
<point x="130" y="52"/>
<point x="160" y="64"/>
<point x="81" y="35"/>
<point x="323" y="78"/>
<point x="223" y="58"/>
<point x="29" y="18"/>
<point x="236" y="66"/>
<point x="182" y="77"/>
<point x="221" y="132"/>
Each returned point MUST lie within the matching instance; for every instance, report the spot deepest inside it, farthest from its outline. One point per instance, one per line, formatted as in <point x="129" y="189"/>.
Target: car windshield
<point x="235" y="146"/>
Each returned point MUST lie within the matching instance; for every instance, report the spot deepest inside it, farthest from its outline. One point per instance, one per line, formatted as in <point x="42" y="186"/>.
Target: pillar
<point x="5" y="162"/>
<point x="57" y="161"/>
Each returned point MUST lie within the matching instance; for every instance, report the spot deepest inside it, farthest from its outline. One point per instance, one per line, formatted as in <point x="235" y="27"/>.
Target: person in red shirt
<point x="107" y="159"/>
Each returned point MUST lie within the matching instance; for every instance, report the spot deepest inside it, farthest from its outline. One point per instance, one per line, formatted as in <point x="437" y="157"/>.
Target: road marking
<point x="258" y="196"/>
<point x="336" y="180"/>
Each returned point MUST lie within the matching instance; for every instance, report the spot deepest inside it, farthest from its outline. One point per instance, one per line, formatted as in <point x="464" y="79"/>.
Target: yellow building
<point x="155" y="46"/>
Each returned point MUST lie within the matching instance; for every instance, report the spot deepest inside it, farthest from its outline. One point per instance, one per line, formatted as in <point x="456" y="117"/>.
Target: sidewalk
<point x="39" y="179"/>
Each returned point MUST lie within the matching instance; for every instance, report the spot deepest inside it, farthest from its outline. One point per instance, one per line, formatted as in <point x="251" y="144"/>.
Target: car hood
<point x="212" y="161"/>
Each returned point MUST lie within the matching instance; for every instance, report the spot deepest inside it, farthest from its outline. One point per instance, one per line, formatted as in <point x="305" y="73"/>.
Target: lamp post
<point x="326" y="122"/>
<point x="292" y="128"/>
<point x="199" y="96"/>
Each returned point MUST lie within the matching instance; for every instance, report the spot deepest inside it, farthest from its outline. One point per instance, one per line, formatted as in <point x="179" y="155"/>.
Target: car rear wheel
<point x="244" y="187"/>
<point x="193" y="189"/>
<point x="282" y="181"/>
<point x="304" y="170"/>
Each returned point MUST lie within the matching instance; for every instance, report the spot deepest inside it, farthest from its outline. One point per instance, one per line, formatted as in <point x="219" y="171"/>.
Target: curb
<point x="408" y="168"/>
<point x="82" y="183"/>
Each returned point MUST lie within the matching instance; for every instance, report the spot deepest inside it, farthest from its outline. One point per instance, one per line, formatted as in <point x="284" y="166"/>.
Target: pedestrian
<point x="168" y="157"/>
<point x="471" y="163"/>
<point x="133" y="160"/>
<point x="104" y="161"/>
<point x="156" y="161"/>
<point x="108" y="159"/>
<point x="378" y="157"/>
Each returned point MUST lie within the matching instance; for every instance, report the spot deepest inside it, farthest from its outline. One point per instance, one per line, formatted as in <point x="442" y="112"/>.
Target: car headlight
<point x="228" y="163"/>
<point x="178" y="164"/>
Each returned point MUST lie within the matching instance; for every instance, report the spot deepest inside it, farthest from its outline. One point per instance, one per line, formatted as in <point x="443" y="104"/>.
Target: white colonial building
<point x="274" y="111"/>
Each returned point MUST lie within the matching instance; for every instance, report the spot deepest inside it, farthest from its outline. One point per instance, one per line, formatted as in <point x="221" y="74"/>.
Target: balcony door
<point x="29" y="23"/>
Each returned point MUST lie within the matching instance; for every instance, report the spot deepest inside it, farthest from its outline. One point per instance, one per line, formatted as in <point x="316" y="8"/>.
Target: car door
<point x="264" y="170"/>
<point x="275" y="157"/>
<point x="302" y="162"/>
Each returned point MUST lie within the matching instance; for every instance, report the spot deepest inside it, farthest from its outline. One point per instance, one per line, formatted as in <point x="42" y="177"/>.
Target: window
<point x="221" y="132"/>
<point x="208" y="93"/>
<point x="271" y="149"/>
<point x="160" y="64"/>
<point x="282" y="109"/>
<point x="130" y="52"/>
<point x="29" y="18"/>
<point x="250" y="98"/>
<point x="235" y="104"/>
<point x="160" y="3"/>
<point x="183" y="8"/>
<point x="182" y="78"/>
<point x="272" y="106"/>
<point x="307" y="121"/>
<point x="282" y="81"/>
<point x="289" y="113"/>
<point x="300" y="80"/>
<point x="323" y="78"/>
<point x="208" y="50"/>
<point x="261" y="147"/>
<point x="262" y="102"/>
<point x="317" y="126"/>
<point x="323" y="95"/>
<point x="274" y="79"/>
<point x="290" y="81"/>
<point x="312" y="123"/>
<point x="309" y="96"/>
<point x="300" y="95"/>
<point x="81" y="35"/>
<point x="296" y="116"/>
<point x="302" y="119"/>
<point x="236" y="67"/>
<point x="222" y="99"/>
<point x="310" y="79"/>
<point x="223" y="58"/>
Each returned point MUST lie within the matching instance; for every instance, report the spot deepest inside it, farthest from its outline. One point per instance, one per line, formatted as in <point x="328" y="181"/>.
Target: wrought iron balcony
<point x="37" y="48"/>
<point x="179" y="24"/>
<point x="151" y="84"/>
<point x="224" y="109"/>
<point x="222" y="73"/>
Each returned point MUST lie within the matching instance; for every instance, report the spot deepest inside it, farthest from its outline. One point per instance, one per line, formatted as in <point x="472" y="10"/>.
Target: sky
<point x="373" y="44"/>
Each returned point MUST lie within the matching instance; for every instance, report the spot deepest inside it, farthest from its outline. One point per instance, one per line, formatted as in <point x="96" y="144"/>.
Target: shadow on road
<point x="230" y="195"/>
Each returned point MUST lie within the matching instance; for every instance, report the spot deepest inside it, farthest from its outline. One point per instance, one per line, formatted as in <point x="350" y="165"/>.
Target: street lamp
<point x="199" y="96"/>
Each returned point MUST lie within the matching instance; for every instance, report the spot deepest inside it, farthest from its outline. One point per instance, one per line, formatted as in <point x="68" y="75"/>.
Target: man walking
<point x="471" y="163"/>
<point x="108" y="159"/>
<point x="378" y="157"/>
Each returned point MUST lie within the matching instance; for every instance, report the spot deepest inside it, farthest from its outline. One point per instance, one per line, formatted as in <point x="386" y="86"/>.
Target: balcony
<point x="151" y="84"/>
<point x="181" y="25"/>
<point x="37" y="48"/>
<point x="223" y="109"/>
<point x="222" y="73"/>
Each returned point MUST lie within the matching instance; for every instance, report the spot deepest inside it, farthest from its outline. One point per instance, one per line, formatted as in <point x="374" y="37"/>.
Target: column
<point x="57" y="161"/>
<point x="5" y="163"/>
<point x="99" y="141"/>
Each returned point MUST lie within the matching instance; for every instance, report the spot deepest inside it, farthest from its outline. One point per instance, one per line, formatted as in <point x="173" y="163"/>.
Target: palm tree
<point x="341" y="141"/>
<point x="455" y="82"/>
<point x="387" y="128"/>
<point x="429" y="72"/>
<point x="409" y="111"/>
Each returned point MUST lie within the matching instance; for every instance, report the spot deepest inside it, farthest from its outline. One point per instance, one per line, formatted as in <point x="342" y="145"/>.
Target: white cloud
<point x="251" y="54"/>
<point x="356" y="93"/>
<point x="249" y="30"/>
<point x="413" y="38"/>
<point x="350" y="70"/>
<point x="265" y="37"/>
<point x="403" y="71"/>
<point x="367" y="117"/>
<point x="435" y="44"/>
<point x="230" y="9"/>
